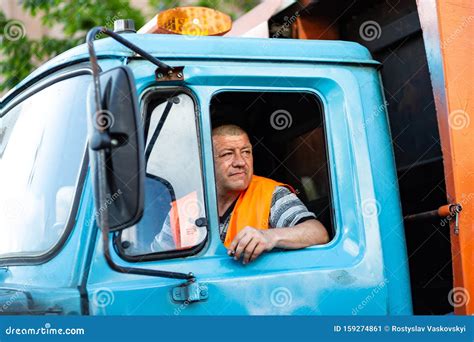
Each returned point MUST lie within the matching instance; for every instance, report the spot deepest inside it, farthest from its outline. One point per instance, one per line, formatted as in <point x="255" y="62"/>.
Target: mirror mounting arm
<point x="141" y="271"/>
<point x="164" y="72"/>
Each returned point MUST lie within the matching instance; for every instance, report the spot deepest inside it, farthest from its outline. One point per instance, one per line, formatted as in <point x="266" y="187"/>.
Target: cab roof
<point x="178" y="47"/>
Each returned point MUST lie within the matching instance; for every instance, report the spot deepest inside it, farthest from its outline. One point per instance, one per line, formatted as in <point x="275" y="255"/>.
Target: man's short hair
<point x="228" y="130"/>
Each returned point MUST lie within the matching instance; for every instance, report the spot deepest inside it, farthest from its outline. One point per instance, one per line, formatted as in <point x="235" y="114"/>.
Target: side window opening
<point x="174" y="191"/>
<point x="288" y="137"/>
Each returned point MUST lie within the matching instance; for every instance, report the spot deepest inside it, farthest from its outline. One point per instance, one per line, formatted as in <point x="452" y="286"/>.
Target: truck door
<point x="42" y="172"/>
<point x="345" y="276"/>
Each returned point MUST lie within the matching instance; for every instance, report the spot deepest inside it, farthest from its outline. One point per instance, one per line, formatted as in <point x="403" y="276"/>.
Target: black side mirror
<point x="116" y="131"/>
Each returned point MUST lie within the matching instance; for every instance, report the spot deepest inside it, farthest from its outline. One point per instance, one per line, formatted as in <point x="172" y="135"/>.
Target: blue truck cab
<point x="316" y="115"/>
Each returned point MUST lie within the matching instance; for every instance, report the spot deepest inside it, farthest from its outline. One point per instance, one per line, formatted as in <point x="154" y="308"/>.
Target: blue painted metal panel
<point x="347" y="276"/>
<point x="361" y="271"/>
<point x="175" y="47"/>
<point x="53" y="284"/>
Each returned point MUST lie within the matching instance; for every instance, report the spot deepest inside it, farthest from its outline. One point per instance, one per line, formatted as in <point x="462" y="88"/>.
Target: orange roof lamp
<point x="194" y="21"/>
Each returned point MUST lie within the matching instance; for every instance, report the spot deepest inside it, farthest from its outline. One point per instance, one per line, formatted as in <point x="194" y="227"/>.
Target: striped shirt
<point x="286" y="211"/>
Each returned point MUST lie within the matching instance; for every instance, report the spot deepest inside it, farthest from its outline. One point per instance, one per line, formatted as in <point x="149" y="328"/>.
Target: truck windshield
<point x="42" y="143"/>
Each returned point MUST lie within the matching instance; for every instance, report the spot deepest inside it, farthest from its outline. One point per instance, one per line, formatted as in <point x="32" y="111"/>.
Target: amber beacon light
<point x="194" y="21"/>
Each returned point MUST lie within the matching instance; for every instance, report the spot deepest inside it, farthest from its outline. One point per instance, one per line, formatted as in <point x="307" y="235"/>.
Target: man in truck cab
<point x="254" y="212"/>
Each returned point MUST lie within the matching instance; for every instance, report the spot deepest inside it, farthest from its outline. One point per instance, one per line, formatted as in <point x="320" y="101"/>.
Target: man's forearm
<point x="305" y="234"/>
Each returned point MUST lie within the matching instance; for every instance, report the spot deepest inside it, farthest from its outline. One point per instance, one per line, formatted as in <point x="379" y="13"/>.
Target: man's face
<point x="233" y="161"/>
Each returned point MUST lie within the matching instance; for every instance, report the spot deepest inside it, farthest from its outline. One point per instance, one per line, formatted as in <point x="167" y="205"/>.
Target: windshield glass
<point x="42" y="143"/>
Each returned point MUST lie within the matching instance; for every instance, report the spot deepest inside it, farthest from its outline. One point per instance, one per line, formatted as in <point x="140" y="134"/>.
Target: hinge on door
<point x="189" y="292"/>
<point x="173" y="74"/>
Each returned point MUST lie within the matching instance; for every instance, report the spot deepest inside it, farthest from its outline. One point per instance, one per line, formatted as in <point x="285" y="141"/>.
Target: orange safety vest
<point x="252" y="207"/>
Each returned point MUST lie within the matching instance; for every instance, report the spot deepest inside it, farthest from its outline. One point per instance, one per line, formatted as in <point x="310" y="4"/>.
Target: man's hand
<point x="250" y="243"/>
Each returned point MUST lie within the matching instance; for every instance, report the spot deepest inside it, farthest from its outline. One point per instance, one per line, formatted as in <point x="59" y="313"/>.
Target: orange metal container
<point x="448" y="29"/>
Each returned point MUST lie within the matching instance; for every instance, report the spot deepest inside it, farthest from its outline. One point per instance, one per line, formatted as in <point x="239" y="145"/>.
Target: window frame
<point x="144" y="100"/>
<point x="28" y="258"/>
<point x="333" y="231"/>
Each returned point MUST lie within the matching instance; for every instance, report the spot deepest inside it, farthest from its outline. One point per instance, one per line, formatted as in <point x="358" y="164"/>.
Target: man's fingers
<point x="235" y="242"/>
<point x="249" y="250"/>
<point x="241" y="246"/>
<point x="257" y="251"/>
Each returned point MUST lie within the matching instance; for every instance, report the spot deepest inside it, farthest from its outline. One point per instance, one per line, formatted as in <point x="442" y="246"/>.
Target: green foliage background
<point x="20" y="56"/>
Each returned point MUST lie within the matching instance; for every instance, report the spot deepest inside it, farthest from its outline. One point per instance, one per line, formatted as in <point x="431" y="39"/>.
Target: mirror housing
<point x="117" y="130"/>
